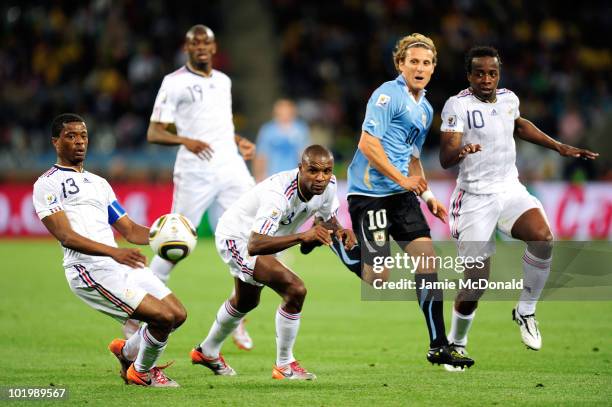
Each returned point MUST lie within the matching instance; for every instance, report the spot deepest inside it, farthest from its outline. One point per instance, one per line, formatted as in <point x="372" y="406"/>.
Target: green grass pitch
<point x="364" y="353"/>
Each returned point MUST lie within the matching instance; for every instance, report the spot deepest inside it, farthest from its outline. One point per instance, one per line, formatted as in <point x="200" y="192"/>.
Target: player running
<point x="249" y="234"/>
<point x="197" y="100"/>
<point x="79" y="208"/>
<point x="386" y="176"/>
<point x="478" y="126"/>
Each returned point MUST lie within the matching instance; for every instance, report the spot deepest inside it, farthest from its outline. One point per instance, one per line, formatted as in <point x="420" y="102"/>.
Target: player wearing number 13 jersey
<point x="386" y="176"/>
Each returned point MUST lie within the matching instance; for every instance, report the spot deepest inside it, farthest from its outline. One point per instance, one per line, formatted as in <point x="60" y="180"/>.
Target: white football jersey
<point x="492" y="126"/>
<point x="201" y="109"/>
<point x="88" y="201"/>
<point x="273" y="207"/>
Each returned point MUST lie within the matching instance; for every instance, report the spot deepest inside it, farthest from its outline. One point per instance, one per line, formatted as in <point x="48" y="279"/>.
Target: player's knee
<point x="180" y="316"/>
<point x="164" y="319"/>
<point x="296" y="291"/>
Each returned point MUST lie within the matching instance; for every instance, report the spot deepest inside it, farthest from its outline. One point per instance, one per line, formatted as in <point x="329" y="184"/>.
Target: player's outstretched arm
<point x="263" y="244"/>
<point x="373" y="150"/>
<point x="451" y="149"/>
<point x="158" y="133"/>
<point x="527" y="131"/>
<point x="132" y="231"/>
<point x="59" y="226"/>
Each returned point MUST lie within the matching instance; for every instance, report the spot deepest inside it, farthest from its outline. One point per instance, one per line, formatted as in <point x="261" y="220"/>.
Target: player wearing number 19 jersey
<point x="478" y="129"/>
<point x="197" y="100"/>
<point x="386" y="175"/>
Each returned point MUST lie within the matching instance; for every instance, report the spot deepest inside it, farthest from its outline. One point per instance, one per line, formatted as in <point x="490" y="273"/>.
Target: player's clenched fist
<point x="347" y="237"/>
<point x="319" y="234"/>
<point x="469" y="149"/>
<point x="415" y="183"/>
<point x="130" y="257"/>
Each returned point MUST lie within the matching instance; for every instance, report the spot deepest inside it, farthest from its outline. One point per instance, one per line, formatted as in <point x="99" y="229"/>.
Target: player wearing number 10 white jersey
<point x="478" y="129"/>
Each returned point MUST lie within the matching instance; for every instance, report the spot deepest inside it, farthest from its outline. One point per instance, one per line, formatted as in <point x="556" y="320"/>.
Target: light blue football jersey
<point x="401" y="124"/>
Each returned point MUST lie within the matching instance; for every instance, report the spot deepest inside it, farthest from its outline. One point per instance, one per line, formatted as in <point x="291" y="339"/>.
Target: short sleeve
<point x="451" y="117"/>
<point x="270" y="212"/>
<point x="379" y="113"/>
<point x="47" y="197"/>
<point x="114" y="209"/>
<point x="517" y="103"/>
<point x="164" y="109"/>
<point x="330" y="206"/>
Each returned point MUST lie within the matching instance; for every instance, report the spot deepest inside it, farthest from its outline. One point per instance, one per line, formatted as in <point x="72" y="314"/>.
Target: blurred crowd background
<point x="106" y="59"/>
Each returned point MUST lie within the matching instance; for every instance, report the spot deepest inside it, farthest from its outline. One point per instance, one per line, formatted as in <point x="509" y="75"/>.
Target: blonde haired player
<point x="197" y="100"/>
<point x="386" y="176"/>
<point x="478" y="128"/>
<point x="79" y="208"/>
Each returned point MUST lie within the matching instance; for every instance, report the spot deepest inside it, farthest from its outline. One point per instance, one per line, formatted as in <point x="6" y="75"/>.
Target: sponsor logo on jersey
<point x="451" y="121"/>
<point x="51" y="199"/>
<point x="383" y="100"/>
<point x="493" y="112"/>
<point x="372" y="122"/>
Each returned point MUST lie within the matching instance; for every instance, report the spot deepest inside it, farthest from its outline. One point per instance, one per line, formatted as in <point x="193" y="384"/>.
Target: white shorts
<point x="113" y="288"/>
<point x="195" y="192"/>
<point x="474" y="217"/>
<point x="235" y="254"/>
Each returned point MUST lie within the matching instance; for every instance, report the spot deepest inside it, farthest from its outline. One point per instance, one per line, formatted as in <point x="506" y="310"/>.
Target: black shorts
<point x="376" y="218"/>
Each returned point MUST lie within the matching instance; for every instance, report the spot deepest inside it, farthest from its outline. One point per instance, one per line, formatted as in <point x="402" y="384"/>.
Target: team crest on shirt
<point x="451" y="121"/>
<point x="379" y="238"/>
<point x="274" y="215"/>
<point x="51" y="199"/>
<point x="383" y="100"/>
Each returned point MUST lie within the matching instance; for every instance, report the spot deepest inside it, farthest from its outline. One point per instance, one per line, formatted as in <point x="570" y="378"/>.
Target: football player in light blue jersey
<point x="386" y="176"/>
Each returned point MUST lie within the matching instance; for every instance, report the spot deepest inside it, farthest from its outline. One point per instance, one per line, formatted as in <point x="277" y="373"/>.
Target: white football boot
<point x="530" y="334"/>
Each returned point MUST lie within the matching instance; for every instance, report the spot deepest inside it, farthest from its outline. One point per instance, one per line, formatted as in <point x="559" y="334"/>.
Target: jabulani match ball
<point x="172" y="237"/>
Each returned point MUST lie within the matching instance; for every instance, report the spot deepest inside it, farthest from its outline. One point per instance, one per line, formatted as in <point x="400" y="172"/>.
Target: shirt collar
<point x="197" y="73"/>
<point x="62" y="168"/>
<point x="402" y="81"/>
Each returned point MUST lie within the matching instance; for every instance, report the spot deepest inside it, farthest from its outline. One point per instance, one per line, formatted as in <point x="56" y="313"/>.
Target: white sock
<point x="132" y="345"/>
<point x="161" y="268"/>
<point x="150" y="350"/>
<point x="460" y="326"/>
<point x="535" y="274"/>
<point x="130" y="328"/>
<point x="227" y="320"/>
<point x="287" y="326"/>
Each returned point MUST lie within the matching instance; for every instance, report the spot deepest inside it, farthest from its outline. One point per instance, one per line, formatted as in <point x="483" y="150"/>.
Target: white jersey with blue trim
<point x="492" y="126"/>
<point x="274" y="208"/>
<point x="88" y="201"/>
<point x="401" y="123"/>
